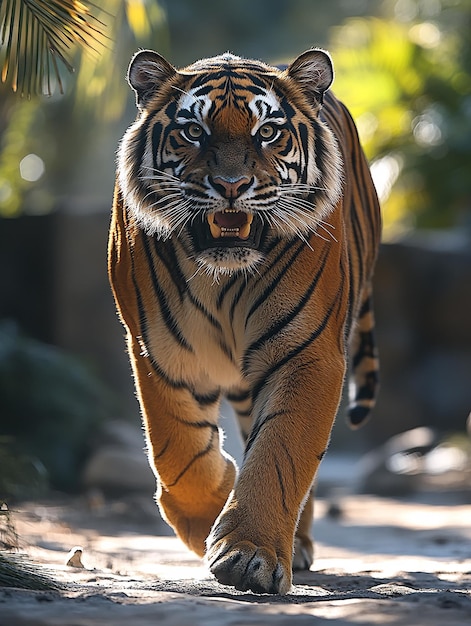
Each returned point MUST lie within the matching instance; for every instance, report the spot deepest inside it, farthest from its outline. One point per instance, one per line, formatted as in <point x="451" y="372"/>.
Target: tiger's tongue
<point x="230" y="220"/>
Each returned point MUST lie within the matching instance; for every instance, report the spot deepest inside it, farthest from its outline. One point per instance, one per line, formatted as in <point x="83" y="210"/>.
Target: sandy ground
<point x="378" y="561"/>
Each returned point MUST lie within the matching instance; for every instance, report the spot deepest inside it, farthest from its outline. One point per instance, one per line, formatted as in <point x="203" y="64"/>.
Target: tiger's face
<point x="228" y="154"/>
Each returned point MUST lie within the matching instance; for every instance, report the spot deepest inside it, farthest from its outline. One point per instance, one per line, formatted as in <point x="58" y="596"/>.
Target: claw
<point x="247" y="567"/>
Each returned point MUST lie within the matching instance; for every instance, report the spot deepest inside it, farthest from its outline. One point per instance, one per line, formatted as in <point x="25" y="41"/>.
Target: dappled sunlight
<point x="380" y="561"/>
<point x="162" y="557"/>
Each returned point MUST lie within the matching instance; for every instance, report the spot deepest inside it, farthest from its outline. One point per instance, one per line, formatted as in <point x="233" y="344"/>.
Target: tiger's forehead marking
<point x="193" y="107"/>
<point x="260" y="105"/>
<point x="266" y="107"/>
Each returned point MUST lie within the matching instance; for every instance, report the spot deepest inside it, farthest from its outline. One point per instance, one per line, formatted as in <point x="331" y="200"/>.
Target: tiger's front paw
<point x="245" y="564"/>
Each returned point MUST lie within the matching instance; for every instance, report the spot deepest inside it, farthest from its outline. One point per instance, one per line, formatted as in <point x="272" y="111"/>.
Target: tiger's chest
<point x="209" y="333"/>
<point x="196" y="337"/>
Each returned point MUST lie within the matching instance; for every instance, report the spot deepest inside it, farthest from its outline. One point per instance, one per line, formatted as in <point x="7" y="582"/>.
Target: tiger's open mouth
<point x="229" y="228"/>
<point x="230" y="223"/>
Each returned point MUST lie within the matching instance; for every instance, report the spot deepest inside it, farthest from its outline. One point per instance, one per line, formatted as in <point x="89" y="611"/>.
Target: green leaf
<point x="37" y="34"/>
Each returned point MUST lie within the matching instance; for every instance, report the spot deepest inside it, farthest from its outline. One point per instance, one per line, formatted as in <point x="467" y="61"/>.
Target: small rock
<point x="74" y="558"/>
<point x="334" y="510"/>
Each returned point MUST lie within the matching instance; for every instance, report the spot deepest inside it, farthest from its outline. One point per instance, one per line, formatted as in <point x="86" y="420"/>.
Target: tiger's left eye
<point x="193" y="131"/>
<point x="268" y="132"/>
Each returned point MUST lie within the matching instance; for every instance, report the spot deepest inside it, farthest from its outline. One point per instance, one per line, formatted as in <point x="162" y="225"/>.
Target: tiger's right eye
<point x="193" y="131"/>
<point x="268" y="132"/>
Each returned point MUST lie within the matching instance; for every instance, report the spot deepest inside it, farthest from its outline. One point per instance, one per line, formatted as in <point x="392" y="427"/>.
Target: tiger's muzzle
<point x="229" y="227"/>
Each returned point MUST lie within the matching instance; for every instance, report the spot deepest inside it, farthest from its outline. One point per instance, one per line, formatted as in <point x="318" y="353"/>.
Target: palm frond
<point x="36" y="36"/>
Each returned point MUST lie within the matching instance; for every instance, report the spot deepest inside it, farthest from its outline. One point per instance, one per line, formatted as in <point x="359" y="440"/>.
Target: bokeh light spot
<point x="32" y="168"/>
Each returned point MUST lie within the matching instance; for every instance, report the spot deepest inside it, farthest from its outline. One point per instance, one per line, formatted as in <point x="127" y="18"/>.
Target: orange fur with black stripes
<point x="244" y="233"/>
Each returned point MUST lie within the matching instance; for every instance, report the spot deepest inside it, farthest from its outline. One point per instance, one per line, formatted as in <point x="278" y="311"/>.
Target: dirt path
<point x="382" y="561"/>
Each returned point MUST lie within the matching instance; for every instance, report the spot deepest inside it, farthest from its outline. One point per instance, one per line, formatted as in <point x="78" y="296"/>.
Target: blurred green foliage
<point x="408" y="84"/>
<point x="56" y="129"/>
<point x="52" y="407"/>
<point x="22" y="474"/>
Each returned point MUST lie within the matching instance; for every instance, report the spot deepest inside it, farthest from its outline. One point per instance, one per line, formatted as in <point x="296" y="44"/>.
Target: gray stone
<point x="120" y="463"/>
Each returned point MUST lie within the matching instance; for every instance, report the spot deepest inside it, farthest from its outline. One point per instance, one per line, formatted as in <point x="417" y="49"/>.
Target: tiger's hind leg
<point x="303" y="556"/>
<point x="364" y="363"/>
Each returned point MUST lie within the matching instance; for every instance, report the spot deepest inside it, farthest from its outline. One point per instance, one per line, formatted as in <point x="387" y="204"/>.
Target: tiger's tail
<point x="364" y="380"/>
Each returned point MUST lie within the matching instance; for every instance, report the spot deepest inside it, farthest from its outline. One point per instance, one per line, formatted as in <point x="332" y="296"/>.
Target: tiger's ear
<point x="146" y="72"/>
<point x="314" y="71"/>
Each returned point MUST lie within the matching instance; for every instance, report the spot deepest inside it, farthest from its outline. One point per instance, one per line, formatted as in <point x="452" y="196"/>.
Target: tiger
<point x="244" y="233"/>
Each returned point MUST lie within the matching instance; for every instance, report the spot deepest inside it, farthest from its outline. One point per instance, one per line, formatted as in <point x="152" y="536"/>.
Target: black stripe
<point x="144" y="333"/>
<point x="163" y="450"/>
<point x="293" y="472"/>
<point x="171" y="263"/>
<point x="208" y="398"/>
<point x="295" y="351"/>
<point x="284" y="321"/>
<point x="197" y="456"/>
<point x="156" y="143"/>
<point x="365" y="307"/>
<point x="366" y="348"/>
<point x="168" y="318"/>
<point x="304" y="136"/>
<point x="299" y="245"/>
<point x="245" y="283"/>
<point x="202" y="309"/>
<point x="257" y="427"/>
<point x="227" y="351"/>
<point x="282" y="487"/>
<point x="168" y="256"/>
<point x="239" y="396"/>
<point x="351" y="299"/>
<point x="358" y="414"/>
<point x="368" y="390"/>
<point x="289" y="146"/>
<point x="236" y="300"/>
<point x="198" y="424"/>
<point x="226" y="288"/>
<point x="360" y="247"/>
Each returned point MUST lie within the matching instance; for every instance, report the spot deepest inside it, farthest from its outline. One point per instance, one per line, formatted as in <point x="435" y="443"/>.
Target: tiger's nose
<point x="230" y="188"/>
